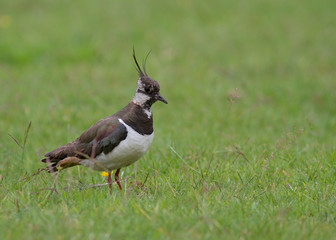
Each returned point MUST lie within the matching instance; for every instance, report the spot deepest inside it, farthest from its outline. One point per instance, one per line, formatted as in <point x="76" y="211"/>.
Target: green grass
<point x="259" y="167"/>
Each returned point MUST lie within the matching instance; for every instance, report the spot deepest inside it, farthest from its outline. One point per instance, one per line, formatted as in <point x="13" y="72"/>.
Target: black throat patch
<point x="135" y="117"/>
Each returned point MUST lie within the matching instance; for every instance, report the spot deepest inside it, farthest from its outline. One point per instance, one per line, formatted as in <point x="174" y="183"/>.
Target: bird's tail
<point x="51" y="164"/>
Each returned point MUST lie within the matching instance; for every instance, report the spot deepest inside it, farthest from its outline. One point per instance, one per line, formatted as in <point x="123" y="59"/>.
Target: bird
<point x="116" y="141"/>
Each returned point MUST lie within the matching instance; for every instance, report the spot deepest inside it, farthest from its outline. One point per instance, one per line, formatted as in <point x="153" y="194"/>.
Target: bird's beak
<point x="160" y="98"/>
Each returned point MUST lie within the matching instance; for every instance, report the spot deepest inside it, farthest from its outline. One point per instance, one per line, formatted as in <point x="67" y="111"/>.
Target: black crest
<point x="141" y="72"/>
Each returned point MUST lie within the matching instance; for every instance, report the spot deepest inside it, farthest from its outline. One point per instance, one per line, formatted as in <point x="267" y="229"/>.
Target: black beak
<point x="160" y="98"/>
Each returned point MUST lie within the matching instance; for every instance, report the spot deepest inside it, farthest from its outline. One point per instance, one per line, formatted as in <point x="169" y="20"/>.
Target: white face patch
<point x="140" y="98"/>
<point x="140" y="85"/>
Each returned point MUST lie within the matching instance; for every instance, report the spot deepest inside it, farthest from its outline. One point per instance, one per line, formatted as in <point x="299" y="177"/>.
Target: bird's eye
<point x="147" y="89"/>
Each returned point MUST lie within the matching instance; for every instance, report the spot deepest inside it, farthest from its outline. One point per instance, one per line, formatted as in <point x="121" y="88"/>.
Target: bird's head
<point x="148" y="90"/>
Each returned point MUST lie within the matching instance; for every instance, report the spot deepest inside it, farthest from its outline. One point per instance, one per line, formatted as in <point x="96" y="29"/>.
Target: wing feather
<point x="103" y="136"/>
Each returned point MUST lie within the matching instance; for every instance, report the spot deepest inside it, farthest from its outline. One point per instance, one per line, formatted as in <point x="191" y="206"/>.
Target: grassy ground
<point x="245" y="149"/>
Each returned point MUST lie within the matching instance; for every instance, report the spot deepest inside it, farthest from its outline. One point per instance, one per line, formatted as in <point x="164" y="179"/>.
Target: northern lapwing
<point x="115" y="141"/>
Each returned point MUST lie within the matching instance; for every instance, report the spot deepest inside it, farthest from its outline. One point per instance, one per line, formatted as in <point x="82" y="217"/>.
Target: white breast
<point x="127" y="152"/>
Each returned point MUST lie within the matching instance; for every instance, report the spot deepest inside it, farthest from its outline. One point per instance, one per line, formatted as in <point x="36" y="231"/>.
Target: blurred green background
<point x="244" y="80"/>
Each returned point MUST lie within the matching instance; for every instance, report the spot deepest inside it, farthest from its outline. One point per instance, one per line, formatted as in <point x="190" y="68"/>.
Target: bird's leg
<point x="116" y="178"/>
<point x="109" y="179"/>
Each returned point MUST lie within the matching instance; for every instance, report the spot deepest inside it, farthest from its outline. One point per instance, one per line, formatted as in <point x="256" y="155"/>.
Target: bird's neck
<point x="140" y="118"/>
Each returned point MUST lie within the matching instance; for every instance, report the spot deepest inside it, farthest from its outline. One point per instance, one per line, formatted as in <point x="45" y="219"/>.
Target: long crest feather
<point x="144" y="63"/>
<point x="141" y="73"/>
